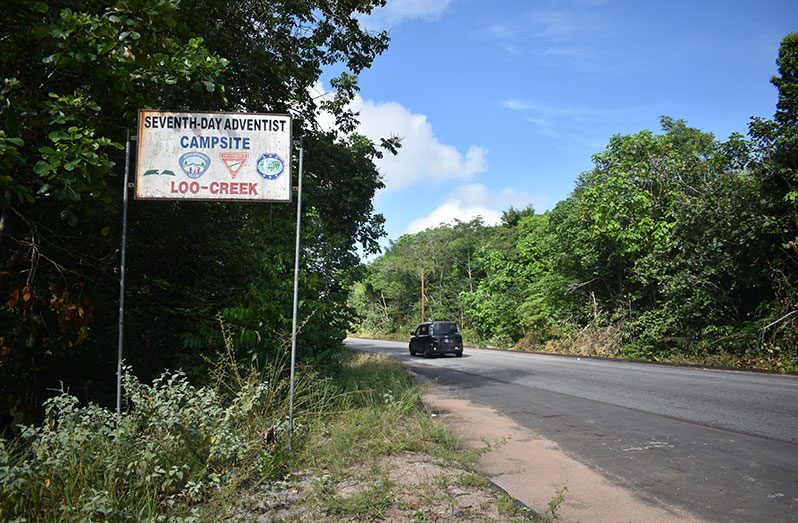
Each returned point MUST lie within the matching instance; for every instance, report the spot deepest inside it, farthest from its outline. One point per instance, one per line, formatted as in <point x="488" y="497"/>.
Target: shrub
<point x="175" y="446"/>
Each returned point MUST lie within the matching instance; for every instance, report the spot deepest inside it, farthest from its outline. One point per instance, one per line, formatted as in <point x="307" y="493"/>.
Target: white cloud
<point x="501" y="31"/>
<point x="451" y="211"/>
<point x="561" y="120"/>
<point x="565" y="37"/>
<point x="469" y="201"/>
<point x="422" y="155"/>
<point x="556" y="25"/>
<point x="396" y="11"/>
<point x="515" y="104"/>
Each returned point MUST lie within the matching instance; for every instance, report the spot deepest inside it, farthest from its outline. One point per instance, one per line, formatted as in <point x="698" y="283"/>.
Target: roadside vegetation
<point x="75" y="74"/>
<point x="365" y="449"/>
<point x="193" y="444"/>
<point x="674" y="247"/>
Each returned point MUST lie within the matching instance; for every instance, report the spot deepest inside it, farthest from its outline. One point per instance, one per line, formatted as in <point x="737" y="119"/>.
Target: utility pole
<point x="422" y="295"/>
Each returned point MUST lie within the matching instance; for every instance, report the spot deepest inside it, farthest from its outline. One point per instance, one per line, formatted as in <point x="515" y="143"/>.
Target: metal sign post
<point x="122" y="279"/>
<point x="296" y="296"/>
<point x="217" y="156"/>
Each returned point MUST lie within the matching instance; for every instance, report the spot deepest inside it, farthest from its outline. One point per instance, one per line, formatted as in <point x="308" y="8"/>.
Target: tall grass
<point x="378" y="413"/>
<point x="179" y="452"/>
<point x="175" y="451"/>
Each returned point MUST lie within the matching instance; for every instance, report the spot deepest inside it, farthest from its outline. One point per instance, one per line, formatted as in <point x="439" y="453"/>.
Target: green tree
<point x="74" y="75"/>
<point x="449" y="256"/>
<point x="775" y="144"/>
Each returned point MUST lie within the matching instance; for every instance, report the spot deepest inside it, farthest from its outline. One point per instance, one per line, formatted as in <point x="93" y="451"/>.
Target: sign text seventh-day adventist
<point x="252" y="123"/>
<point x="214" y="156"/>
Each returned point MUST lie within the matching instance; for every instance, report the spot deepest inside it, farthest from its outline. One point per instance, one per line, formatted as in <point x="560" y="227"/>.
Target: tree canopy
<point x="75" y="72"/>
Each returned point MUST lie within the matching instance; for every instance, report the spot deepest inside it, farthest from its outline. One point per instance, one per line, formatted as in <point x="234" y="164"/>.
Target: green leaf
<point x="57" y="32"/>
<point x="41" y="168"/>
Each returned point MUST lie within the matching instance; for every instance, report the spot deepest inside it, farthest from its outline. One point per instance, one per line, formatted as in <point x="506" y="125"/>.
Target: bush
<point x="175" y="446"/>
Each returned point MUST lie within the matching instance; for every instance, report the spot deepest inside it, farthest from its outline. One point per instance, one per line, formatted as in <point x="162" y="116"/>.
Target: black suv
<point x="436" y="337"/>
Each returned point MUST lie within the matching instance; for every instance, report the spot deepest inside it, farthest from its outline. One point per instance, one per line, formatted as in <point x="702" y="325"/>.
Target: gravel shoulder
<point x="411" y="487"/>
<point x="533" y="469"/>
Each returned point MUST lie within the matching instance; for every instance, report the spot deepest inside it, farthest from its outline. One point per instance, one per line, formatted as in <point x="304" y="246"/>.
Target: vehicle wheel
<point x="412" y="352"/>
<point x="427" y="352"/>
<point x="459" y="354"/>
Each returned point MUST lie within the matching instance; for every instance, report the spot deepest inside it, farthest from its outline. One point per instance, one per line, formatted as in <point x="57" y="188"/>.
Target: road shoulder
<point x="532" y="469"/>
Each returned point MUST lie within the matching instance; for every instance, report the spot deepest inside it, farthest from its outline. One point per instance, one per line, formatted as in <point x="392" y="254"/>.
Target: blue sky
<point x="503" y="102"/>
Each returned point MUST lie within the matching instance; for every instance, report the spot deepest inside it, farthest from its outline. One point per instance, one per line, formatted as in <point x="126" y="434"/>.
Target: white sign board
<point x="214" y="156"/>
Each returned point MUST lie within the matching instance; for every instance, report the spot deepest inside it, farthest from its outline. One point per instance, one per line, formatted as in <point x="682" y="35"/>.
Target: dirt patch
<point x="533" y="469"/>
<point x="410" y="487"/>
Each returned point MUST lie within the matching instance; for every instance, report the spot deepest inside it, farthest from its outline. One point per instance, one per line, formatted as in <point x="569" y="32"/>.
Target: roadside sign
<point x="214" y="156"/>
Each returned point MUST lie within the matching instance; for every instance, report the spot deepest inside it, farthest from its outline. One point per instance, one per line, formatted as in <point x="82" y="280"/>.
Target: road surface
<point x="722" y="445"/>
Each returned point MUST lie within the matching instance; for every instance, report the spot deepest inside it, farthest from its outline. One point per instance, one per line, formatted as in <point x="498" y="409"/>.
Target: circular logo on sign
<point x="270" y="166"/>
<point x="194" y="164"/>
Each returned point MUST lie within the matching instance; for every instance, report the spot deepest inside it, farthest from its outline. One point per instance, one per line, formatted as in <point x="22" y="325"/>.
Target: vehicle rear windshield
<point x="442" y="329"/>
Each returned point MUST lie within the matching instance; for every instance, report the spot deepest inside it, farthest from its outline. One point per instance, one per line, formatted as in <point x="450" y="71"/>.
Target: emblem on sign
<point x="195" y="164"/>
<point x="165" y="172"/>
<point x="234" y="162"/>
<point x="270" y="166"/>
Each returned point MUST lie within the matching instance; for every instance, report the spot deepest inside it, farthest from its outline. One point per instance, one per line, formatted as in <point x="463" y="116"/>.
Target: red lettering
<point x="231" y="188"/>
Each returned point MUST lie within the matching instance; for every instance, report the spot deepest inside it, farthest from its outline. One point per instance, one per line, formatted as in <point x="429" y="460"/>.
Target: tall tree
<point x="75" y="73"/>
<point x="776" y="150"/>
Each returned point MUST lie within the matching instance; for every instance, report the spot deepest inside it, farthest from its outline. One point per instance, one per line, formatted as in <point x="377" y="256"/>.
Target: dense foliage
<point x="75" y="72"/>
<point x="674" y="246"/>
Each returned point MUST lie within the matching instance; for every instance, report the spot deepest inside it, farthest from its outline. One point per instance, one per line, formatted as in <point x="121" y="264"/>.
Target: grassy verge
<point x="380" y="456"/>
<point x="364" y="449"/>
<point x="605" y="342"/>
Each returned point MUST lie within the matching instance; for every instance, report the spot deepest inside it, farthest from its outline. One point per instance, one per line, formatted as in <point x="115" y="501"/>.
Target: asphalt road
<point x="720" y="444"/>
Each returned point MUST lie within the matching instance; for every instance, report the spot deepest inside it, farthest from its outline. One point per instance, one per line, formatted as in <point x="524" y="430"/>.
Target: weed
<point x="177" y="451"/>
<point x="553" y="508"/>
<point x="470" y="479"/>
<point x="369" y="502"/>
<point x="185" y="453"/>
<point x="592" y="340"/>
